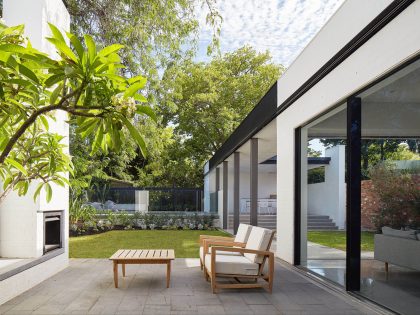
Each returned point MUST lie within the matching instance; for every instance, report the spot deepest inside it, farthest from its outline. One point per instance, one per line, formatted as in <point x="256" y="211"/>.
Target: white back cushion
<point x="243" y="233"/>
<point x="258" y="240"/>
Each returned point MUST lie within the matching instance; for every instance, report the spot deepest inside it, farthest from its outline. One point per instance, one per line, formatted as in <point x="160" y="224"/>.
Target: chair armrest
<point x="215" y="237"/>
<point x="216" y="242"/>
<point x="214" y="249"/>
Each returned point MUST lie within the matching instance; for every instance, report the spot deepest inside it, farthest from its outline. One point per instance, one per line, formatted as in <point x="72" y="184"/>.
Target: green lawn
<point x="337" y="239"/>
<point x="104" y="245"/>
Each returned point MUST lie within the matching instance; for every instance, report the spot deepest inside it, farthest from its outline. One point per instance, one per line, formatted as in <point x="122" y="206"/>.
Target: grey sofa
<point x="404" y="252"/>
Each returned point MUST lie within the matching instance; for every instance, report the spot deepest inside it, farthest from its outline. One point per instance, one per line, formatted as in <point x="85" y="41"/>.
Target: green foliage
<point x="207" y="101"/>
<point x="154" y="32"/>
<point x="200" y="105"/>
<point x="316" y="175"/>
<point x="80" y="212"/>
<point x="374" y="151"/>
<point x="313" y="153"/>
<point x="85" y="219"/>
<point x="84" y="82"/>
<point x="399" y="196"/>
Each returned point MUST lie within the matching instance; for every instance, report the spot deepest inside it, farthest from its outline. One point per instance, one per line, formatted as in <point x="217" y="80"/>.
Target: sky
<point x="283" y="27"/>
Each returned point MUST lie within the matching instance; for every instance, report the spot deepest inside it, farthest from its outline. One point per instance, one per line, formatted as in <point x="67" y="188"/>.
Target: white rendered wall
<point x="394" y="44"/>
<point x="206" y="189"/>
<point x="21" y="228"/>
<point x="329" y="197"/>
<point x="13" y="286"/>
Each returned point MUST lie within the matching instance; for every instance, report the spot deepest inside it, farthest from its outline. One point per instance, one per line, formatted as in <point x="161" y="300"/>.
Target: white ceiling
<point x="389" y="109"/>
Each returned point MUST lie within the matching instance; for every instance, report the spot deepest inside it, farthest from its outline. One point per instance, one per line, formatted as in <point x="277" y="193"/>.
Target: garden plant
<point x="84" y="81"/>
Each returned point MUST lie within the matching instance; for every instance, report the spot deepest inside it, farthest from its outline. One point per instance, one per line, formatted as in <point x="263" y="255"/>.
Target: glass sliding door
<point x="390" y="191"/>
<point x="323" y="196"/>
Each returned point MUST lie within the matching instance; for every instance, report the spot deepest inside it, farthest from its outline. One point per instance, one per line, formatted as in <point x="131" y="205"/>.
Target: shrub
<point x="399" y="196"/>
<point x="109" y="220"/>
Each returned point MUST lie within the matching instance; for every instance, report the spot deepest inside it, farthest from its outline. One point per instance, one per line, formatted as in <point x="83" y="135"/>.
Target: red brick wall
<point x="370" y="204"/>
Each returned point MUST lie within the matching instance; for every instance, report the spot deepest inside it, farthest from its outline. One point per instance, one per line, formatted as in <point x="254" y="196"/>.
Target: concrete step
<point x="322" y="228"/>
<point x="321" y="224"/>
<point x="316" y="216"/>
<point x="319" y="220"/>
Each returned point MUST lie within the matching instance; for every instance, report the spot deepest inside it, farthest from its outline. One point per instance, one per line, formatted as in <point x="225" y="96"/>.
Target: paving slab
<point x="86" y="287"/>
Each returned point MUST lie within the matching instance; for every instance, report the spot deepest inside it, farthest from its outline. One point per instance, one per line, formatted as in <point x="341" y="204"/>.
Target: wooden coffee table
<point x="142" y="256"/>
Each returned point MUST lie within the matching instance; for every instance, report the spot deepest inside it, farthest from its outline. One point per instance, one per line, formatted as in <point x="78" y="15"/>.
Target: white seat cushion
<point x="232" y="264"/>
<point x="243" y="233"/>
<point x="259" y="239"/>
<point x="224" y="253"/>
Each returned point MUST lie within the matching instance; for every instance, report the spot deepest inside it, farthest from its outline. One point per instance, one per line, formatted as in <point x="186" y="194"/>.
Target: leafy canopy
<point x="207" y="101"/>
<point x="84" y="82"/>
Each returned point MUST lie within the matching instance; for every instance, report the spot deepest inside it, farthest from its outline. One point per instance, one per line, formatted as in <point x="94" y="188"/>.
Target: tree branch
<point x="27" y="123"/>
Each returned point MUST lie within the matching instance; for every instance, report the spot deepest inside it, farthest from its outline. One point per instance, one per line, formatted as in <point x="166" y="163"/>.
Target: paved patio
<point x="86" y="287"/>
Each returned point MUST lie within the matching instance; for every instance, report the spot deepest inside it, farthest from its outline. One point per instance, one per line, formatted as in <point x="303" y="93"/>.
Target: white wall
<point x="390" y="47"/>
<point x="206" y="189"/>
<point x="13" y="286"/>
<point x="21" y="233"/>
<point x="329" y="197"/>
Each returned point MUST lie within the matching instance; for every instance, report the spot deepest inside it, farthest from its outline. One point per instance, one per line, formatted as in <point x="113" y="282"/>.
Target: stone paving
<point x="86" y="287"/>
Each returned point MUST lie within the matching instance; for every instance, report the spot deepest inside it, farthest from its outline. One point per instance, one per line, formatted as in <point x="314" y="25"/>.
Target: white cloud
<point x="284" y="27"/>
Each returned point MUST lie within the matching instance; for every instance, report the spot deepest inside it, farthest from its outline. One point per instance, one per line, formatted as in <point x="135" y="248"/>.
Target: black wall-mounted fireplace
<point x="53" y="230"/>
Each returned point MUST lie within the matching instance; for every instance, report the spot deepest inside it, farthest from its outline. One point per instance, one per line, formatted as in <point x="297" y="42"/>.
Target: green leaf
<point x="147" y="110"/>
<point x="13" y="48"/>
<point x="55" y="78"/>
<point x="7" y="182"/>
<point x="86" y="124"/>
<point x="48" y="191"/>
<point x="135" y="134"/>
<point x="38" y="191"/>
<point x="1" y="91"/>
<point x="109" y="50"/>
<point x="98" y="139"/>
<point x="136" y="79"/>
<point x="44" y="121"/>
<point x="134" y="89"/>
<point x="55" y="94"/>
<point x="63" y="48"/>
<point x="56" y="32"/>
<point x="140" y="98"/>
<point x="76" y="44"/>
<point x="91" y="46"/>
<point x="28" y="73"/>
<point x="16" y="165"/>
<point x="64" y="179"/>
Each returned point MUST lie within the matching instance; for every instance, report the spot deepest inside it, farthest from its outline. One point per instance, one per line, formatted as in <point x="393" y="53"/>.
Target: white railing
<point x="265" y="206"/>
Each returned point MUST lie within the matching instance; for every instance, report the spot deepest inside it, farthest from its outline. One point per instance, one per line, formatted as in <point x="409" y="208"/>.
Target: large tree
<point x="207" y="101"/>
<point x="200" y="104"/>
<point x="155" y="33"/>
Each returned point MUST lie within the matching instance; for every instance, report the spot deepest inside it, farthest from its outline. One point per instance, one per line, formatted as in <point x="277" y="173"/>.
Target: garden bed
<point x="94" y="222"/>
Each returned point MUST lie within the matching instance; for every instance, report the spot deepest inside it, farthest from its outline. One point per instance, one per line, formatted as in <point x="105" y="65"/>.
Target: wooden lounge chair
<point x="239" y="240"/>
<point x="247" y="264"/>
